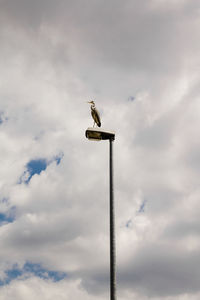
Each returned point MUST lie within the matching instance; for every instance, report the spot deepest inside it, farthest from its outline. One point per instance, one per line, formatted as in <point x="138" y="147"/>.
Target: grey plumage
<point x="95" y="114"/>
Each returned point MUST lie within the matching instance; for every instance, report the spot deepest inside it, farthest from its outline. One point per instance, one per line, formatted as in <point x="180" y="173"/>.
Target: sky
<point x="139" y="61"/>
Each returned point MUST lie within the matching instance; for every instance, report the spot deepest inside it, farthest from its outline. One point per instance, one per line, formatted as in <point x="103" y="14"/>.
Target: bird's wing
<point x="96" y="117"/>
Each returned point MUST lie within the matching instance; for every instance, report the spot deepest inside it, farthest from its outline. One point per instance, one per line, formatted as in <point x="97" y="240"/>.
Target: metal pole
<point x="112" y="231"/>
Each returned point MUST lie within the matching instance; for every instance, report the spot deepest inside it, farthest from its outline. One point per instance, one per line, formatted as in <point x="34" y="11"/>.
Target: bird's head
<point x="91" y="102"/>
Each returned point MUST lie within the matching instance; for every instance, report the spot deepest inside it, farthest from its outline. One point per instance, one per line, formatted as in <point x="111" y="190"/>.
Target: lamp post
<point x="97" y="135"/>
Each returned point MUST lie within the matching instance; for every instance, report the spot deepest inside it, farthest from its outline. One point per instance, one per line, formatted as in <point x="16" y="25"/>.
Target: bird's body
<point x="95" y="114"/>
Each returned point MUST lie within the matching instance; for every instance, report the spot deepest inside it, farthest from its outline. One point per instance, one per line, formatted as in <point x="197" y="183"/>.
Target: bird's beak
<point x="89" y="101"/>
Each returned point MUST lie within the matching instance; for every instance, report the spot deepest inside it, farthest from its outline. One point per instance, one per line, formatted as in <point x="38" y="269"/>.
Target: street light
<point x="98" y="135"/>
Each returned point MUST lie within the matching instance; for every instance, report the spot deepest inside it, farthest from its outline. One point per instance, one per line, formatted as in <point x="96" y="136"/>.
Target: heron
<point x="95" y="114"/>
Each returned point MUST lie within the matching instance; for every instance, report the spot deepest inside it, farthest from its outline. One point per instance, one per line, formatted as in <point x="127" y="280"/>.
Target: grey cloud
<point x="192" y="158"/>
<point x="27" y="14"/>
<point x="158" y="135"/>
<point x="109" y="33"/>
<point x="182" y="229"/>
<point x="161" y="198"/>
<point x="95" y="282"/>
<point x="158" y="271"/>
<point x="154" y="271"/>
<point x="133" y="39"/>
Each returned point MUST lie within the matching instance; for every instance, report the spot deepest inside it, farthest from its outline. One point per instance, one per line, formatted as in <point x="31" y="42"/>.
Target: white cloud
<point x="44" y="289"/>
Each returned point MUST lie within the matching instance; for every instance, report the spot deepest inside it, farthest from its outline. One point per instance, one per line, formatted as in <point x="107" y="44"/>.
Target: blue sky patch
<point x="38" y="271"/>
<point x="2" y="117"/>
<point x="7" y="217"/>
<point x="31" y="269"/>
<point x="36" y="166"/>
<point x="58" y="158"/>
<point x="142" y="207"/>
<point x="11" y="275"/>
<point x="129" y="223"/>
<point x="131" y="98"/>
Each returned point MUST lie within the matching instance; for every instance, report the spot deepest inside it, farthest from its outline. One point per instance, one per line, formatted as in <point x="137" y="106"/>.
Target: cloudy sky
<point x="139" y="60"/>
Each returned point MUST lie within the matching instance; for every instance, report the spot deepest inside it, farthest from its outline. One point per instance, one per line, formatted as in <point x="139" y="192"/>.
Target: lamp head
<point x="99" y="134"/>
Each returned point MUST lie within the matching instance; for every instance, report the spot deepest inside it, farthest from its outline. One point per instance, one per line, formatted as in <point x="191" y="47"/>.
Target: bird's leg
<point x="94" y="124"/>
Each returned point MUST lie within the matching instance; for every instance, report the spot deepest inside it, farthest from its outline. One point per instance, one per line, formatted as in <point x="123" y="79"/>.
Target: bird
<point x="95" y="114"/>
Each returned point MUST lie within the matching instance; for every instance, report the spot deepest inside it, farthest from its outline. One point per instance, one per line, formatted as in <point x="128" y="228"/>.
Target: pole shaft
<point x="112" y="231"/>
